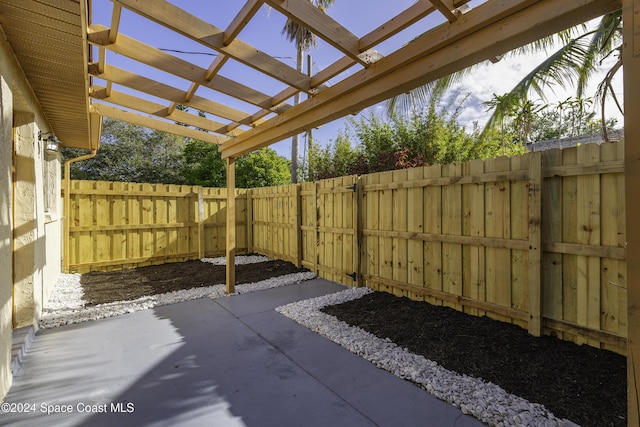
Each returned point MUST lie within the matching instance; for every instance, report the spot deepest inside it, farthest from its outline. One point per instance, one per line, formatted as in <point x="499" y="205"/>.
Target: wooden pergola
<point x="361" y="77"/>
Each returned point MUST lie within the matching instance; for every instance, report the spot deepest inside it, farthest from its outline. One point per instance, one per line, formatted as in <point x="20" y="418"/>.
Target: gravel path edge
<point x="485" y="401"/>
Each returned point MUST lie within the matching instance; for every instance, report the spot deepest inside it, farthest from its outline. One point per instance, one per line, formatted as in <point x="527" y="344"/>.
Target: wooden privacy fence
<point x="536" y="240"/>
<point x="115" y="225"/>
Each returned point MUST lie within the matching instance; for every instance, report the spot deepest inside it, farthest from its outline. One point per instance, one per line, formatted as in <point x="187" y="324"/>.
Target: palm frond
<point x="561" y="68"/>
<point x="303" y="38"/>
<point x="426" y="95"/>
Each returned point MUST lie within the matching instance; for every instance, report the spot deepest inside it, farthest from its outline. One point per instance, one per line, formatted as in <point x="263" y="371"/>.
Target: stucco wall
<point x="6" y="268"/>
<point x="33" y="248"/>
<point x="30" y="238"/>
<point x="36" y="254"/>
<point x="25" y="224"/>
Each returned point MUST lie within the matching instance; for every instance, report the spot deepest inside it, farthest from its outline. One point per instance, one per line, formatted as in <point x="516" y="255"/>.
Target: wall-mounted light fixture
<point x="52" y="144"/>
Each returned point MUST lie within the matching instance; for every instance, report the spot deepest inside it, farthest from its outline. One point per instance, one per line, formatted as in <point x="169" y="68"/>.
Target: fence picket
<point x="452" y="225"/>
<point x="473" y="225"/>
<point x="399" y="223"/>
<point x="588" y="233"/>
<point x="433" y="268"/>
<point x="552" y="232"/>
<point x="415" y="224"/>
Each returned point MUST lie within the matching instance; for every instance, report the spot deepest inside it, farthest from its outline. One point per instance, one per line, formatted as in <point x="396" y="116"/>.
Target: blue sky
<point x="264" y="33"/>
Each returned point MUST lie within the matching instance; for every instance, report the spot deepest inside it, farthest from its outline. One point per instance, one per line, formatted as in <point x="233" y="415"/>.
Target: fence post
<point x="67" y="222"/>
<point x="231" y="226"/>
<point x="249" y="221"/>
<point x="316" y="232"/>
<point x="357" y="231"/>
<point x="298" y="223"/>
<point x="535" y="244"/>
<point x="200" y="221"/>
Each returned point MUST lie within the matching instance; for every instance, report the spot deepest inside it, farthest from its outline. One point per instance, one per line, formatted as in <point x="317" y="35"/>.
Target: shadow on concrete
<point x="226" y="362"/>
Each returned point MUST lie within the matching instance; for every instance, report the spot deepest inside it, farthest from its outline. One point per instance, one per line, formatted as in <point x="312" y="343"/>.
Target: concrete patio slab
<point x="233" y="361"/>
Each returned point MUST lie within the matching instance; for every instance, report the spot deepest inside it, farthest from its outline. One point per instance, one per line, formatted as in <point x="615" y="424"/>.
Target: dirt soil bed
<point x="130" y="284"/>
<point x="580" y="383"/>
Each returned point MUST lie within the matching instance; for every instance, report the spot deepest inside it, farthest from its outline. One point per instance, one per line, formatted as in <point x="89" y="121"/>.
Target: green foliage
<point x="262" y="168"/>
<point x="384" y="143"/>
<point x="336" y="159"/>
<point x="131" y="153"/>
<point x="524" y="121"/>
<point x="203" y="165"/>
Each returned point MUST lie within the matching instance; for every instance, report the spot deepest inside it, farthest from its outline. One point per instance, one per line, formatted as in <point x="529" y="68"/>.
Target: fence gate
<point x="330" y="211"/>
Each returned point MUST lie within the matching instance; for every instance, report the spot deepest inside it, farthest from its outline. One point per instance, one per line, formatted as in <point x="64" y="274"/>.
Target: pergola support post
<point x="631" y="59"/>
<point x="231" y="225"/>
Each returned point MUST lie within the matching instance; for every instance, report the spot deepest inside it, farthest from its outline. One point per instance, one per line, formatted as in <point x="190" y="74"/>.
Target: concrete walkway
<point x="233" y="361"/>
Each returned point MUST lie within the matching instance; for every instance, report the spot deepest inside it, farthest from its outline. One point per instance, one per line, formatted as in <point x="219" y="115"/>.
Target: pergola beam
<point x="385" y="31"/>
<point x="446" y="8"/>
<point x="148" y="122"/>
<point x="496" y="28"/>
<point x="152" y="108"/>
<point x="163" y="91"/>
<point x="403" y="20"/>
<point x="115" y="23"/>
<point x="311" y="17"/>
<point x="171" y="64"/>
<point x="241" y="20"/>
<point x="182" y="22"/>
<point x="249" y="9"/>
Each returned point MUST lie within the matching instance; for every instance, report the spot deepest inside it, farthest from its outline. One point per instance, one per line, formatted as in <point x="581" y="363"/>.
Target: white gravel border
<point x="484" y="400"/>
<point x="240" y="260"/>
<point x="66" y="306"/>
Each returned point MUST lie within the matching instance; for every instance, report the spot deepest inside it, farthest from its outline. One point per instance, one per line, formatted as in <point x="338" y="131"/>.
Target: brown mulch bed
<point x="578" y="382"/>
<point x="130" y="284"/>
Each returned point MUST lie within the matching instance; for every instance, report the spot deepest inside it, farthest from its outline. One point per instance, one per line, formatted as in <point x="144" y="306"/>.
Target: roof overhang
<point x="48" y="39"/>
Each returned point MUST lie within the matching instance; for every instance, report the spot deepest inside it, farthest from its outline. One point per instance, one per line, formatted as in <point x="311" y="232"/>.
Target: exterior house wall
<point x="24" y="219"/>
<point x="30" y="209"/>
<point x="6" y="240"/>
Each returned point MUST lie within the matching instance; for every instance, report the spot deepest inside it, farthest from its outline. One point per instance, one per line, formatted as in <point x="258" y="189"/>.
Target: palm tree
<point x="304" y="40"/>
<point x="505" y="104"/>
<point x="582" y="50"/>
<point x="524" y="114"/>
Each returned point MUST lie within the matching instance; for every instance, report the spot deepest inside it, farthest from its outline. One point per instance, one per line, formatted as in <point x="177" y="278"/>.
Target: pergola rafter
<point x="306" y="14"/>
<point x="171" y="64"/>
<point x="160" y="90"/>
<point x="158" y="110"/>
<point x="182" y="22"/>
<point x="148" y="122"/>
<point x="487" y="33"/>
<point x="225" y="43"/>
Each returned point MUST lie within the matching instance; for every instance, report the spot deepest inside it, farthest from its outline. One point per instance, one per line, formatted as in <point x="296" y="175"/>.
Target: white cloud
<point x="499" y="78"/>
